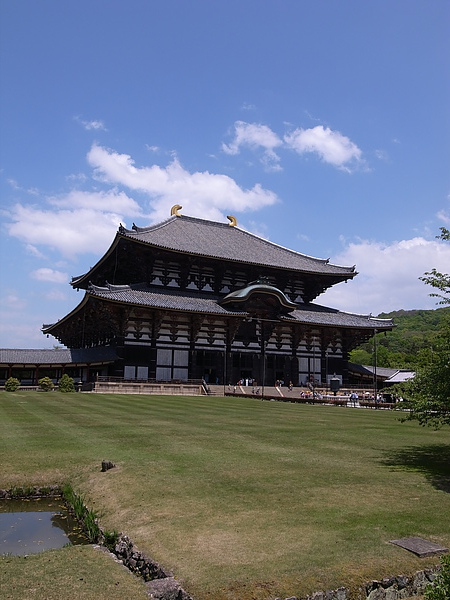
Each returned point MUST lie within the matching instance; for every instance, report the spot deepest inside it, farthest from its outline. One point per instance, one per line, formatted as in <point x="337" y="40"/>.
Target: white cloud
<point x="34" y="251"/>
<point x="444" y="216"/>
<point x="203" y="194"/>
<point x="13" y="300"/>
<point x="332" y="147"/>
<point x="70" y="232"/>
<point x="110" y="201"/>
<point x="94" y="124"/>
<point x="81" y="222"/>
<point x="77" y="223"/>
<point x="254" y="136"/>
<point x="46" y="274"/>
<point x="17" y="187"/>
<point x="55" y="295"/>
<point x="381" y="154"/>
<point x="77" y="177"/>
<point x="388" y="276"/>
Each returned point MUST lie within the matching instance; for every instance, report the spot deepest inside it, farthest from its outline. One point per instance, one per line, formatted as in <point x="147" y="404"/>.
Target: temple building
<point x="190" y="299"/>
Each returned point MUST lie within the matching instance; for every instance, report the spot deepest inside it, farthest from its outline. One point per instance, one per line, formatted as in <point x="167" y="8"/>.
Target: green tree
<point x="46" y="384"/>
<point x="428" y="394"/>
<point x="12" y="384"/>
<point x="66" y="384"/>
<point x="409" y="344"/>
<point x="440" y="588"/>
<point x="440" y="281"/>
<point x="361" y="356"/>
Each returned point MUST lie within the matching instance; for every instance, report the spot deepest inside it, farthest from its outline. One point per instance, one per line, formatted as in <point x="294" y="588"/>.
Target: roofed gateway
<point x="190" y="299"/>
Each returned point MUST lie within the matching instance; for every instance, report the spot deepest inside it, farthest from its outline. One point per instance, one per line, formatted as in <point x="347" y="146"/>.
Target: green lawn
<point x="240" y="498"/>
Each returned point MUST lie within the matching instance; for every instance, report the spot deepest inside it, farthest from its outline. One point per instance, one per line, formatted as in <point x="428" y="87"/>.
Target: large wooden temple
<point x="194" y="299"/>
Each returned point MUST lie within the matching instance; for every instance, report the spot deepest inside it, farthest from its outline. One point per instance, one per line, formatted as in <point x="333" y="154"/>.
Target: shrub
<point x="66" y="384"/>
<point x="110" y="539"/>
<point x="440" y="589"/>
<point x="46" y="384"/>
<point x="12" y="384"/>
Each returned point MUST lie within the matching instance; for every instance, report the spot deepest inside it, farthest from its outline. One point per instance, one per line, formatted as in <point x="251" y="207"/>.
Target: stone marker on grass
<point x="419" y="546"/>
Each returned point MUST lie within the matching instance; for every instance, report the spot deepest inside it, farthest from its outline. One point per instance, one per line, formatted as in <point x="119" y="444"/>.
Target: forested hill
<point x="411" y="341"/>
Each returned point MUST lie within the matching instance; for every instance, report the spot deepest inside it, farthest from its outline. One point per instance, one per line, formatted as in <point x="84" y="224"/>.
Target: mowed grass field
<point x="241" y="499"/>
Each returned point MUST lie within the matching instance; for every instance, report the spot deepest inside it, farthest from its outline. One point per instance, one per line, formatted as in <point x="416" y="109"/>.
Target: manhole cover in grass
<point x="31" y="526"/>
<point x="419" y="546"/>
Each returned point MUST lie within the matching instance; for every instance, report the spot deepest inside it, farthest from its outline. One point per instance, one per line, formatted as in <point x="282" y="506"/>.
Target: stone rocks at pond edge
<point x="161" y="585"/>
<point x="166" y="589"/>
<point x="51" y="491"/>
<point x="389" y="588"/>
<point x="136" y="561"/>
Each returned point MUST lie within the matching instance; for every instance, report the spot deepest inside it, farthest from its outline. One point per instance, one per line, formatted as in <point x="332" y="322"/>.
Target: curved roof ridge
<point x="382" y="320"/>
<point x="109" y="287"/>
<point x="142" y="230"/>
<point x="321" y="307"/>
<point x="243" y="294"/>
<point x="323" y="261"/>
<point x="136" y="229"/>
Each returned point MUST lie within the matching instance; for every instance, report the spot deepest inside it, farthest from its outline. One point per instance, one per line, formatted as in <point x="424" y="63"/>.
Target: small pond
<point x="31" y="526"/>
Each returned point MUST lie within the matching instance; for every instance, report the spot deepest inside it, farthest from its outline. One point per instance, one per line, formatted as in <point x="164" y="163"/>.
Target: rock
<point x="166" y="589"/>
<point x="106" y="465"/>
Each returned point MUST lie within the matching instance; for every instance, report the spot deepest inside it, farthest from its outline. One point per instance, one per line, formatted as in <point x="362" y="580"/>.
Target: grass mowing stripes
<point x="241" y="498"/>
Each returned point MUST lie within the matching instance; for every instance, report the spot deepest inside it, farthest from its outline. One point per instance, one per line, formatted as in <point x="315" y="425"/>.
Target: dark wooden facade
<point x="190" y="299"/>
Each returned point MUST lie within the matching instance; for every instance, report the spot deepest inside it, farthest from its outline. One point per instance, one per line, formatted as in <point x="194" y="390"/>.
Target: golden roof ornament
<point x="174" y="211"/>
<point x="233" y="221"/>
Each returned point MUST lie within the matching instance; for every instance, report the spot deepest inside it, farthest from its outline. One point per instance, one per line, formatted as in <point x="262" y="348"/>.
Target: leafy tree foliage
<point x="12" y="384"/>
<point x="410" y="345"/>
<point x="46" y="384"/>
<point x="428" y="394"/>
<point x="440" y="588"/>
<point x="420" y="342"/>
<point x="66" y="384"/>
<point x="440" y="281"/>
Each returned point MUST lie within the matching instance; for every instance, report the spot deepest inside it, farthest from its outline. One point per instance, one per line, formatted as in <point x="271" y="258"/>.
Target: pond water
<point x="31" y="526"/>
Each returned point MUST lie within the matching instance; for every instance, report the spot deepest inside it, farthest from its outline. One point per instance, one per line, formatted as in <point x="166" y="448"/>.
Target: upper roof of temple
<point x="221" y="241"/>
<point x="227" y="241"/>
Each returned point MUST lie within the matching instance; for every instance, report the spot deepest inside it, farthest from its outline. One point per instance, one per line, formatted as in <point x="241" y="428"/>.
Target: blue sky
<point x="322" y="126"/>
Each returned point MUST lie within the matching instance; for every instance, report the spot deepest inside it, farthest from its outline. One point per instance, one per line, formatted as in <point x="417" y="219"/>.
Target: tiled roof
<point x="60" y="356"/>
<point x="219" y="240"/>
<point x="392" y="375"/>
<point x="313" y="314"/>
<point x="140" y="295"/>
<point x="401" y="376"/>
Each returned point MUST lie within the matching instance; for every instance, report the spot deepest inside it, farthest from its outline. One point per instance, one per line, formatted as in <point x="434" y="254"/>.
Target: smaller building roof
<point x="401" y="376"/>
<point x="57" y="356"/>
<point x="388" y="374"/>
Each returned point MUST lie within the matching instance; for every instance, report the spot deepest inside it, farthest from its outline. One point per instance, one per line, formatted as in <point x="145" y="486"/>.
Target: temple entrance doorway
<point x="210" y="376"/>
